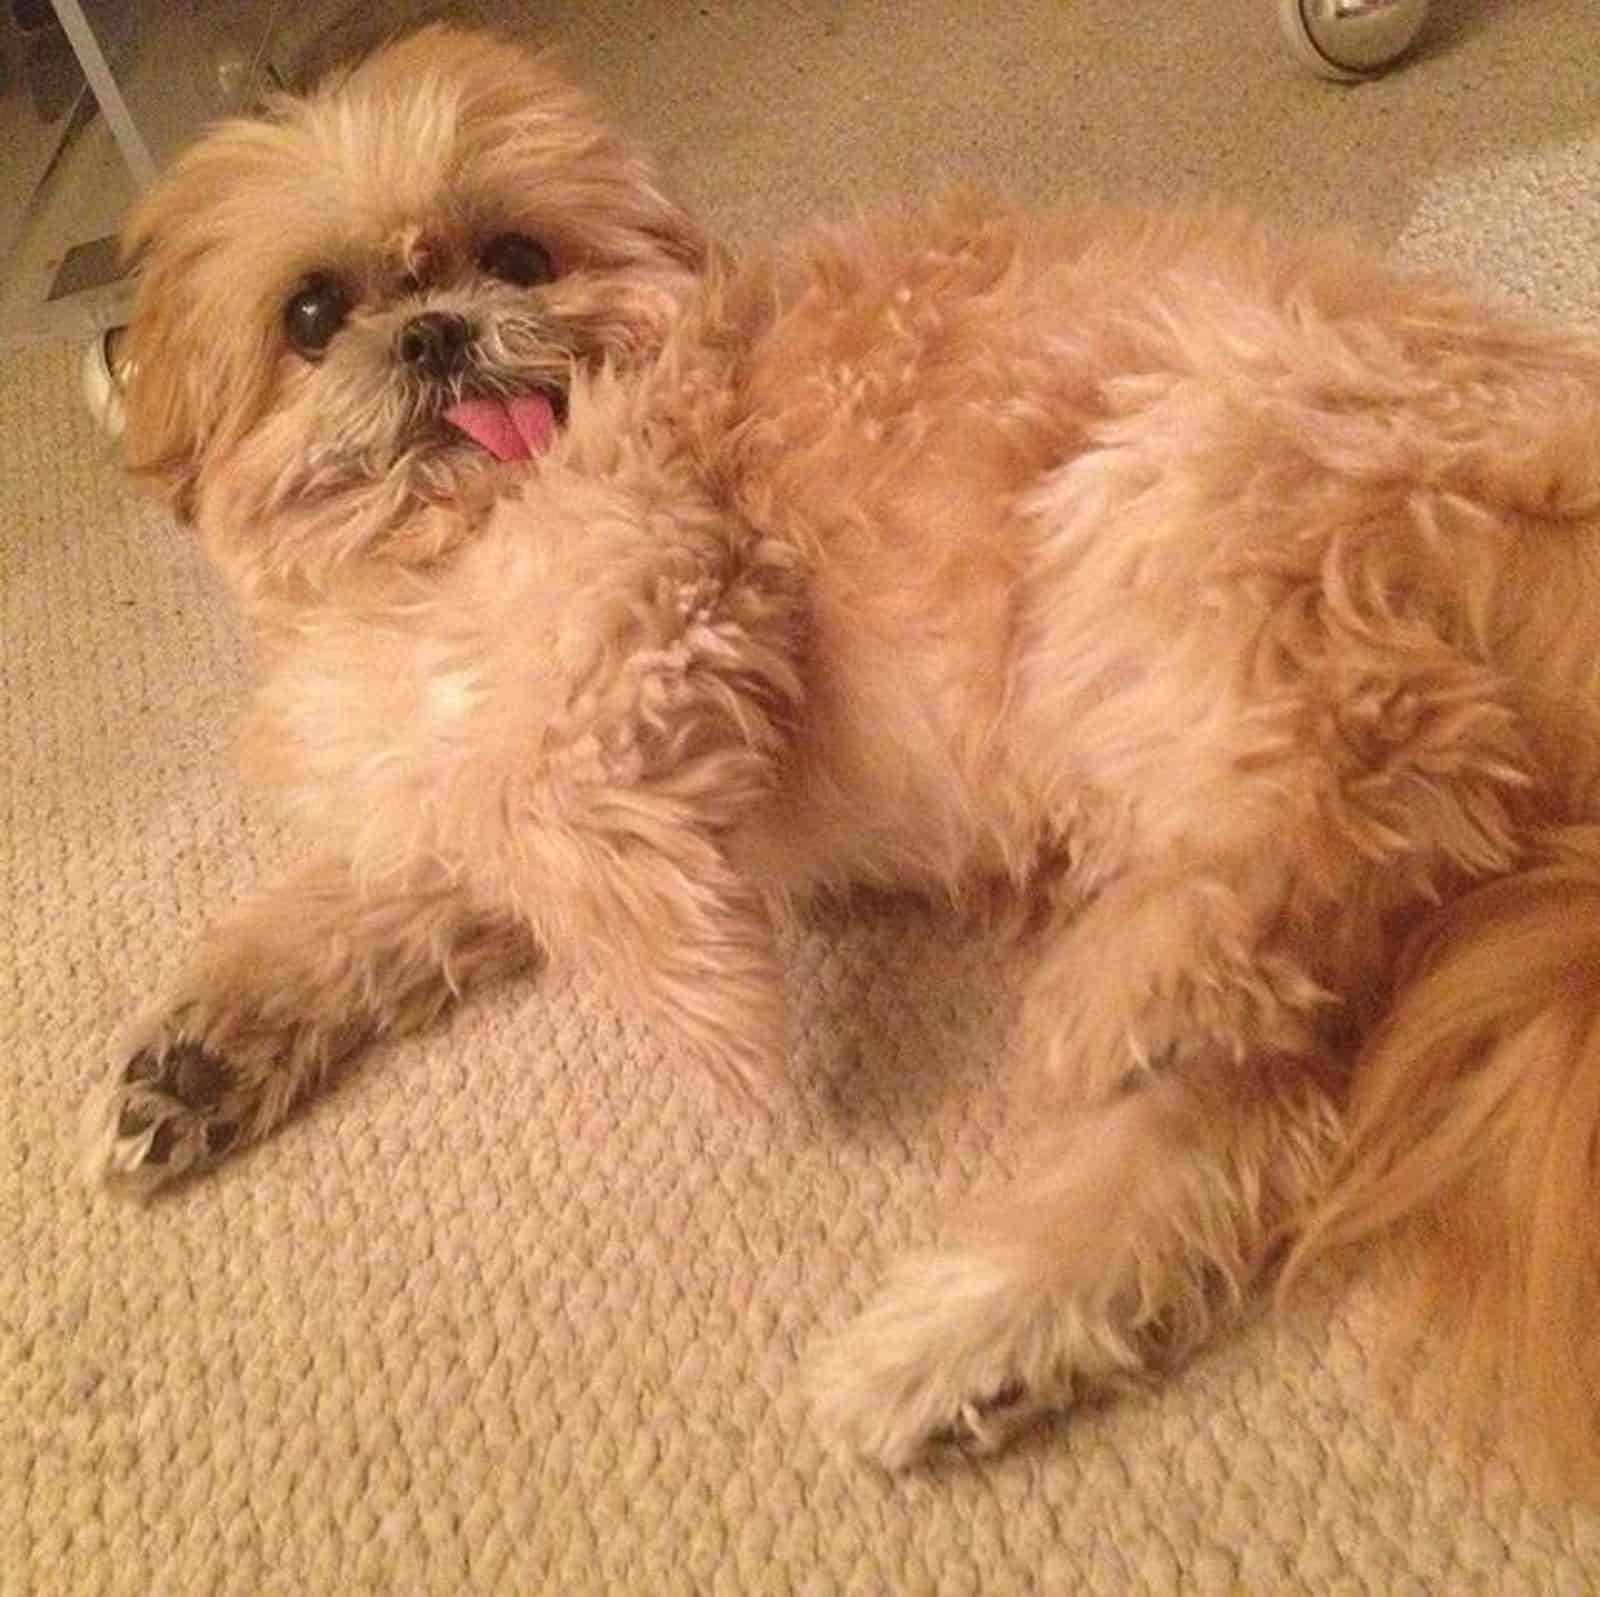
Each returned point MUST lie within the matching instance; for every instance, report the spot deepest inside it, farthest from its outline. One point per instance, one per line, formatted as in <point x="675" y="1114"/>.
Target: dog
<point x="1227" y="599"/>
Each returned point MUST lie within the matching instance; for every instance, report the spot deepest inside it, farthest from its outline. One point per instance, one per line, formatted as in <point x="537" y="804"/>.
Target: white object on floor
<point x="104" y="377"/>
<point x="1348" y="40"/>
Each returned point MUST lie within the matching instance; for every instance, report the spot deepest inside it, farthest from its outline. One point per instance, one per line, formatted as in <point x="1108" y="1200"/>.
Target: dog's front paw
<point x="948" y="1354"/>
<point x="166" y="1110"/>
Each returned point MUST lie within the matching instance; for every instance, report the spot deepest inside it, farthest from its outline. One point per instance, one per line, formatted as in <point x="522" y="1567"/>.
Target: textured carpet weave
<point x="520" y="1307"/>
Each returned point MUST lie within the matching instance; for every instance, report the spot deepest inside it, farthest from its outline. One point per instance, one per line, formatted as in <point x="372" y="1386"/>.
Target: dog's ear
<point x="192" y="343"/>
<point x="164" y="432"/>
<point x="161" y="437"/>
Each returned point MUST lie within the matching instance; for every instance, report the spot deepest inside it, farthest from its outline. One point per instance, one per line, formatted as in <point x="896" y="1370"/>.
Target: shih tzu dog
<point x="1230" y="600"/>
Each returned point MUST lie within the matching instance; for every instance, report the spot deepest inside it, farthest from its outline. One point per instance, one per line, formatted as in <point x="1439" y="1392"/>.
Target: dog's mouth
<point x="509" y="427"/>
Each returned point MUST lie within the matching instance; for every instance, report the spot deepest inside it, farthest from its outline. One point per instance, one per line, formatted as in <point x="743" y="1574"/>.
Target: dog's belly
<point x="900" y="772"/>
<point x="888" y="424"/>
<point x="904" y="768"/>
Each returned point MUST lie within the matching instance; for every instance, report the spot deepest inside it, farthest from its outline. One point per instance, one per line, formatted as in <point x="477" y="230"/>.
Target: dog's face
<point x="351" y="309"/>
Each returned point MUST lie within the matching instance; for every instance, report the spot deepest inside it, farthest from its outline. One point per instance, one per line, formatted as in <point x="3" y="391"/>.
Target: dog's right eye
<point x="515" y="258"/>
<point x="315" y="312"/>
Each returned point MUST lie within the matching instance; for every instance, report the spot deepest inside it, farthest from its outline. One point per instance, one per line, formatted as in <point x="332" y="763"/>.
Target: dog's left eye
<point x="315" y="312"/>
<point x="516" y="258"/>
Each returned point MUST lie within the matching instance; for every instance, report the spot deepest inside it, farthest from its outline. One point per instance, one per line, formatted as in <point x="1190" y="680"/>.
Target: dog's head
<point x="349" y="309"/>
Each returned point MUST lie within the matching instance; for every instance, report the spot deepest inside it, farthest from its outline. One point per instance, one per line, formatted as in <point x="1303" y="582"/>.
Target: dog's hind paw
<point x="915" y="1373"/>
<point x="164" y="1112"/>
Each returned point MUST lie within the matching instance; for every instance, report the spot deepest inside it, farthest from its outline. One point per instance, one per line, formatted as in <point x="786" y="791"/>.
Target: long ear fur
<point x="165" y="430"/>
<point x="1474" y="1132"/>
<point x="199" y="359"/>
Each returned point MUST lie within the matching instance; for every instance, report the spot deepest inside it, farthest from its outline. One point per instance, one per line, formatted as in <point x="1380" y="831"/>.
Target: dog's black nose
<point x="434" y="344"/>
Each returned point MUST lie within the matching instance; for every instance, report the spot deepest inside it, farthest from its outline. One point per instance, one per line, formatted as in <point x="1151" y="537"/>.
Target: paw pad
<point x="187" y="1071"/>
<point x="164" y="1112"/>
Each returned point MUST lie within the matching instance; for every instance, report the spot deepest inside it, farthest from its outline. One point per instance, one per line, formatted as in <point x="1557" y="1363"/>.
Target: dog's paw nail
<point x="986" y="1424"/>
<point x="138" y="1119"/>
<point x="903" y="1383"/>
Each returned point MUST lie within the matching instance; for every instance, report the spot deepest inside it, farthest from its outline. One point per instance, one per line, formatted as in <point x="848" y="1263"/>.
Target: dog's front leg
<point x="276" y="999"/>
<point x="614" y="844"/>
<point x="603" y="800"/>
<point x="657" y="912"/>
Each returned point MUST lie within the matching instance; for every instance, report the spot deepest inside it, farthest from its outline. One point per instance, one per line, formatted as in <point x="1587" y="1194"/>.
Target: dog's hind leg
<point x="273" y="1002"/>
<point x="1147" y="1209"/>
<point x="1134" y="1236"/>
<point x="1184" y="1038"/>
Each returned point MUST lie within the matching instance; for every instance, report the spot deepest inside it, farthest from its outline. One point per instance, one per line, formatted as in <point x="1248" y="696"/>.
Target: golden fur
<point x="1229" y="598"/>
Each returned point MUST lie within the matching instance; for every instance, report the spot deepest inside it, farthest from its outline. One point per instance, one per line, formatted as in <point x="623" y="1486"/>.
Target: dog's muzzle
<point x="436" y="345"/>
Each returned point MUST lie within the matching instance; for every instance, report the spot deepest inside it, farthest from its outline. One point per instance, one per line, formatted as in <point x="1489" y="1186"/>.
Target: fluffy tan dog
<point x="1231" y="600"/>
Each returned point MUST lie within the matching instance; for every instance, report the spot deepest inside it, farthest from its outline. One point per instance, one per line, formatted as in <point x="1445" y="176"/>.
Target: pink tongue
<point x="510" y="429"/>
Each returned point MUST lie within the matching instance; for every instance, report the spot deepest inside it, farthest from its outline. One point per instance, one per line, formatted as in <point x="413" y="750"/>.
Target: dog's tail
<point x="1474" y="1142"/>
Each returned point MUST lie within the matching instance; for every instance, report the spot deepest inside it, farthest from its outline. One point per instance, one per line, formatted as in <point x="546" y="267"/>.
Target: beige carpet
<point x="520" y="1308"/>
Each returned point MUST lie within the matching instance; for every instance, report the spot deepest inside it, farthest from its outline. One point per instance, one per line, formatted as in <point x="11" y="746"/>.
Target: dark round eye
<point x="515" y="258"/>
<point x="315" y="312"/>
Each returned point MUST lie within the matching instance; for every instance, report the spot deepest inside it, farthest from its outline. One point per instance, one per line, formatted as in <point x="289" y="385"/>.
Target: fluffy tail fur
<point x="1474" y="1137"/>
